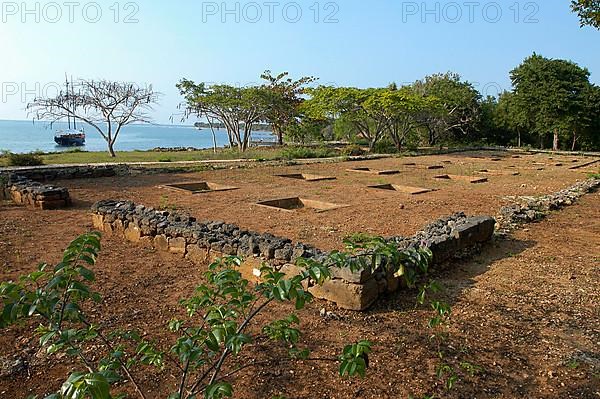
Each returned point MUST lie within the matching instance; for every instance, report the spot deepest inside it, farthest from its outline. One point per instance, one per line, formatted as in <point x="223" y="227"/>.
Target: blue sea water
<point x="26" y="136"/>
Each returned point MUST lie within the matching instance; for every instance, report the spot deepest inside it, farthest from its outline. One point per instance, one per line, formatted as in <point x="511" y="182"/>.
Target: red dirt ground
<point x="526" y="309"/>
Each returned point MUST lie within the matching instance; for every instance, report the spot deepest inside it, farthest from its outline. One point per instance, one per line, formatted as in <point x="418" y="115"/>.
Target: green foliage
<point x="353" y="150"/>
<point x="299" y="152"/>
<point x="588" y="12"/>
<point x="377" y="253"/>
<point x="284" y="97"/>
<point x="211" y="341"/>
<point x="456" y="109"/>
<point x="550" y="96"/>
<point x="30" y="159"/>
<point x="355" y="359"/>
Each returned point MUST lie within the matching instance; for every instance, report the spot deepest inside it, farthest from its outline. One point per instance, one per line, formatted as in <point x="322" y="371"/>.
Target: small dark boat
<point x="70" y="138"/>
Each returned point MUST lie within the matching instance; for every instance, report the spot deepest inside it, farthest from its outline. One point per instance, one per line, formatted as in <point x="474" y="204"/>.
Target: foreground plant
<point x="217" y="327"/>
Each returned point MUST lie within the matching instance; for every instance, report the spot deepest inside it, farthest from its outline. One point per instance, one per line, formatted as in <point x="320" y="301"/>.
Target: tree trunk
<point x="519" y="139"/>
<point x="432" y="138"/>
<point x="279" y="133"/>
<point x="214" y="136"/>
<point x="555" y="141"/>
<point x="111" y="149"/>
<point x="541" y="141"/>
<point x="574" y="141"/>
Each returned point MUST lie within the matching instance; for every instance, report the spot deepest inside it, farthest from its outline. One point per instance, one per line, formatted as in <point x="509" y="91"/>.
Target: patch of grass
<point x="31" y="159"/>
<point x="573" y="364"/>
<point x="295" y="152"/>
<point x="75" y="156"/>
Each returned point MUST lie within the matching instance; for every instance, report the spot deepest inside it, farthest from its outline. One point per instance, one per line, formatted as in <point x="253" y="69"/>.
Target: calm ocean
<point x="25" y="136"/>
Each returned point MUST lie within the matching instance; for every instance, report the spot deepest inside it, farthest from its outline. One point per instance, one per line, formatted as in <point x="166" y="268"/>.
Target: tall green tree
<point x="588" y="12"/>
<point x="284" y="96"/>
<point x="460" y="106"/>
<point x="404" y="109"/>
<point x="551" y="95"/>
<point x="512" y="118"/>
<point x="360" y="107"/>
<point x="237" y="108"/>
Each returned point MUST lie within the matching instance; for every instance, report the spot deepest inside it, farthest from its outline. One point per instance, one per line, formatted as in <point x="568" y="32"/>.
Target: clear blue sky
<point x="349" y="42"/>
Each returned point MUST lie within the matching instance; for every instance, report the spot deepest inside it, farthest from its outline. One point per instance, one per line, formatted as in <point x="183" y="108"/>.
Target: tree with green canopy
<point x="237" y="108"/>
<point x="550" y="95"/>
<point x="404" y="109"/>
<point x="510" y="116"/>
<point x="460" y="106"/>
<point x="588" y="12"/>
<point x="360" y="107"/>
<point x="284" y="96"/>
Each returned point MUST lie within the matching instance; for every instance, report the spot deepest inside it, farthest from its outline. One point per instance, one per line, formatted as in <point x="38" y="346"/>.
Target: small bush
<point x="165" y="159"/>
<point x="353" y="150"/>
<point x="307" y="152"/>
<point x="24" y="159"/>
<point x="384" y="147"/>
<point x="75" y="150"/>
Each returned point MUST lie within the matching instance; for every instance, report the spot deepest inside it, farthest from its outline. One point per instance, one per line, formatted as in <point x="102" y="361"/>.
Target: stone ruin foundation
<point x="202" y="242"/>
<point x="23" y="191"/>
<point x="198" y="187"/>
<point x="306" y="176"/>
<point x="295" y="203"/>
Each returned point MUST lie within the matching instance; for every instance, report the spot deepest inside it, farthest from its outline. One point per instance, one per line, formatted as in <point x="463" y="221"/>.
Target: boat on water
<point x="72" y="137"/>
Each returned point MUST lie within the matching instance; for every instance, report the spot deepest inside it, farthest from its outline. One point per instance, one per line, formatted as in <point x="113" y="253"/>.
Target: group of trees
<point x="439" y="106"/>
<point x="240" y="109"/>
<point x="551" y="100"/>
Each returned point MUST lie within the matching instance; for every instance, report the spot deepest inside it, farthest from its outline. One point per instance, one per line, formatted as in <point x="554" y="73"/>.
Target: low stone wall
<point x="23" y="191"/>
<point x="531" y="209"/>
<point x="202" y="242"/>
<point x="67" y="172"/>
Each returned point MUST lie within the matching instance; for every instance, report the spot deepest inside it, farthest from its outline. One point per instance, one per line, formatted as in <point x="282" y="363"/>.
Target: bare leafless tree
<point x="104" y="105"/>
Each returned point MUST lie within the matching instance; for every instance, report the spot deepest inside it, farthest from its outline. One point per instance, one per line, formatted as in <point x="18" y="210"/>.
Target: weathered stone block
<point x="98" y="221"/>
<point x="118" y="227"/>
<point x="132" y="233"/>
<point x="161" y="242"/>
<point x="177" y="245"/>
<point x="197" y="255"/>
<point x="349" y="276"/>
<point x="346" y="295"/>
<point x="250" y="269"/>
<point x="107" y="228"/>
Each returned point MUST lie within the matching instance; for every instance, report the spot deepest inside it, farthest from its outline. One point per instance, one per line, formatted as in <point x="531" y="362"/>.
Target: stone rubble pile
<point x="23" y="191"/>
<point x="202" y="241"/>
<point x="531" y="209"/>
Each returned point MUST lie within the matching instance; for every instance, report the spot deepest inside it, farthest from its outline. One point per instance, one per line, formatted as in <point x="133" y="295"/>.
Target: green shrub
<point x="353" y="150"/>
<point x="384" y="147"/>
<point x="307" y="152"/>
<point x="75" y="150"/>
<point x="30" y="159"/>
<point x="165" y="159"/>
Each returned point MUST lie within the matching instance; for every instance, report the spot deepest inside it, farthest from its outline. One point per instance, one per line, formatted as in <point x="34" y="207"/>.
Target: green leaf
<point x="218" y="390"/>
